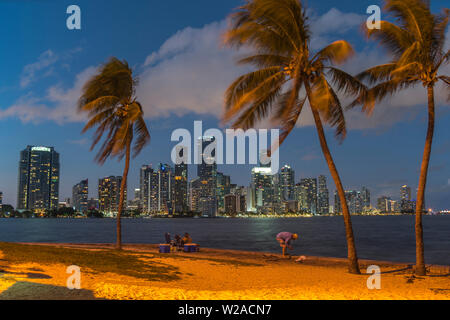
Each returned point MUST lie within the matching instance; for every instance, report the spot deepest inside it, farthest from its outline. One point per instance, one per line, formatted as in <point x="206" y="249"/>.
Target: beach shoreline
<point x="208" y="274"/>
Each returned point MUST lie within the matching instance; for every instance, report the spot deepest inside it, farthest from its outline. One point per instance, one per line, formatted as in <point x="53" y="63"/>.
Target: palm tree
<point x="416" y="42"/>
<point x="109" y="100"/>
<point x="288" y="74"/>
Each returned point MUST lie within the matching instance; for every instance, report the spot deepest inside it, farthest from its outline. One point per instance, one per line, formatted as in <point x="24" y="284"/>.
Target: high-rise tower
<point x="38" y="185"/>
<point x="323" y="198"/>
<point x="80" y="193"/>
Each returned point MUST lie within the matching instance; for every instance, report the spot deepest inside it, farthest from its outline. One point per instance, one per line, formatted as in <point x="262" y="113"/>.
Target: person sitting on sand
<point x="186" y="239"/>
<point x="285" y="240"/>
<point x="178" y="242"/>
<point x="167" y="236"/>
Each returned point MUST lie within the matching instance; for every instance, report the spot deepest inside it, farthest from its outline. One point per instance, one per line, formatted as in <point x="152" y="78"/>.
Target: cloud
<point x="332" y="23"/>
<point x="58" y="105"/>
<point x="29" y="73"/>
<point x="189" y="73"/>
<point x="311" y="156"/>
<point x="79" y="142"/>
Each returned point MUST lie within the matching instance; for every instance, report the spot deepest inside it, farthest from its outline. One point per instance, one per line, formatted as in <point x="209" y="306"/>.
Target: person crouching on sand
<point x="285" y="239"/>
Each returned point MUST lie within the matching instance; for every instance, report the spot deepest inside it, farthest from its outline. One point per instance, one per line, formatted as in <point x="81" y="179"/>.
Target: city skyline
<point x="181" y="172"/>
<point x="39" y="92"/>
<point x="167" y="189"/>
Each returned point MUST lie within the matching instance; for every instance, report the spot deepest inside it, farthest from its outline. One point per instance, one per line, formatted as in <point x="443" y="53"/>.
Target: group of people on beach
<point x="285" y="240"/>
<point x="178" y="241"/>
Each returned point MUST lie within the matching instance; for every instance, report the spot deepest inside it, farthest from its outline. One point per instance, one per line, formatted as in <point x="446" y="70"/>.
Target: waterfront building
<point x="353" y="200"/>
<point x="365" y="198"/>
<point x="80" y="193"/>
<point x="308" y="195"/>
<point x="180" y="188"/>
<point x="109" y="195"/>
<point x="287" y="183"/>
<point x="262" y="183"/>
<point x="146" y="174"/>
<point x="223" y="188"/>
<point x="163" y="188"/>
<point x="407" y="205"/>
<point x="323" y="197"/>
<point x="38" y="185"/>
<point x="230" y="204"/>
<point x="383" y="204"/>
<point x="93" y="204"/>
<point x="250" y="200"/>
<point x="206" y="203"/>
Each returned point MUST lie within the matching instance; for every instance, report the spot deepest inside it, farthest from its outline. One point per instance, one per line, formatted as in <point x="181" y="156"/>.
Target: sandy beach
<point x="212" y="274"/>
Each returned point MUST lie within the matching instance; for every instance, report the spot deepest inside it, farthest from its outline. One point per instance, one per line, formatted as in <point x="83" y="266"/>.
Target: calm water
<point x="380" y="238"/>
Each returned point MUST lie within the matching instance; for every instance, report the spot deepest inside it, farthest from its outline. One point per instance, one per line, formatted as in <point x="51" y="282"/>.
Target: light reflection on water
<point x="380" y="238"/>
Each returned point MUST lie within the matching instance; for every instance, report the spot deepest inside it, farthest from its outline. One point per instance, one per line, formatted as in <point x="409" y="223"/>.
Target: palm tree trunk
<point x="122" y="196"/>
<point x="420" y="258"/>
<point x="353" y="266"/>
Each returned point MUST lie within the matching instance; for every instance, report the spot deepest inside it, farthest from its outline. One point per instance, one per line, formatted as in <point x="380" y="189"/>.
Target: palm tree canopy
<point x="416" y="41"/>
<point x="109" y="100"/>
<point x="278" y="33"/>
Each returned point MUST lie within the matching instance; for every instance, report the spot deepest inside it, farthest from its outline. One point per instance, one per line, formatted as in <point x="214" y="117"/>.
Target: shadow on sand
<point x="23" y="290"/>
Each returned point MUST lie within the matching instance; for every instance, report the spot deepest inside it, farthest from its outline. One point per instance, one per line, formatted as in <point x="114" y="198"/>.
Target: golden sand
<point x="223" y="275"/>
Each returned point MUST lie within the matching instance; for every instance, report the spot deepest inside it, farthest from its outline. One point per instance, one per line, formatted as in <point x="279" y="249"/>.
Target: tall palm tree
<point x="416" y="42"/>
<point x="109" y="100"/>
<point x="287" y="75"/>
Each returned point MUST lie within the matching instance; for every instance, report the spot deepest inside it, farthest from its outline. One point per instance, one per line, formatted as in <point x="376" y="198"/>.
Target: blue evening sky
<point x="43" y="66"/>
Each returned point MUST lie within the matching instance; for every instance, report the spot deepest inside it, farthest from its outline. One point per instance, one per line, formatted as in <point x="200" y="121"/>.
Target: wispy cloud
<point x="44" y="62"/>
<point x="58" y="105"/>
<point x="79" y="142"/>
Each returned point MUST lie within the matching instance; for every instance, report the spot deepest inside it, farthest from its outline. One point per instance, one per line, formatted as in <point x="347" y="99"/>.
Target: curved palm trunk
<point x="122" y="196"/>
<point x="353" y="266"/>
<point x="420" y="259"/>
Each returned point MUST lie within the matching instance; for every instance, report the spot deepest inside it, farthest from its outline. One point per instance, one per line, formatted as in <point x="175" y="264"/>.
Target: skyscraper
<point x="262" y="183"/>
<point x="231" y="207"/>
<point x="407" y="205"/>
<point x="356" y="201"/>
<point x="180" y="188"/>
<point x="38" y="185"/>
<point x="287" y="183"/>
<point x="405" y="193"/>
<point x="204" y="189"/>
<point x="80" y="193"/>
<point x="365" y="197"/>
<point x="323" y="198"/>
<point x="207" y="167"/>
<point x="383" y="204"/>
<point x="109" y="195"/>
<point x="308" y="195"/>
<point x="144" y="182"/>
<point x="164" y="187"/>
<point x="223" y="188"/>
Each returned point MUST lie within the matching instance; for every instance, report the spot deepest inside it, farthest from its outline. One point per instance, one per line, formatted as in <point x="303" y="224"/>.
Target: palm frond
<point x="345" y="82"/>
<point x="258" y="109"/>
<point x="239" y="99"/>
<point x="108" y="99"/>
<point x="392" y="36"/>
<point x="336" y="52"/>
